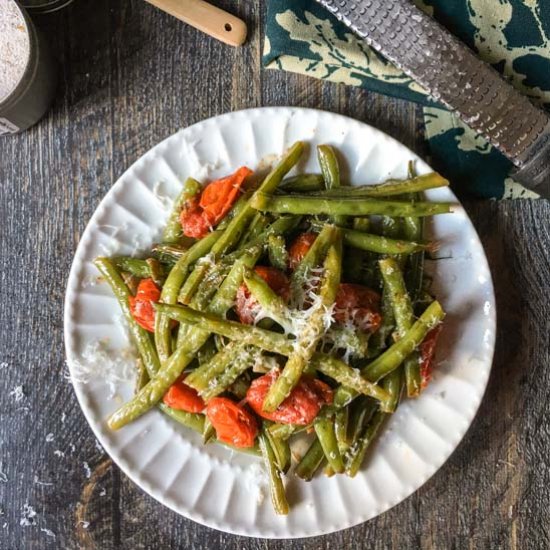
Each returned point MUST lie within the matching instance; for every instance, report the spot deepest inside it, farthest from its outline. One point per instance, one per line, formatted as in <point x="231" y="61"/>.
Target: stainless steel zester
<point x="454" y="76"/>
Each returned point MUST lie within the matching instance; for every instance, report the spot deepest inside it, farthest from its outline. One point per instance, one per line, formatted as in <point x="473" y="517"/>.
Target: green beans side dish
<point x="291" y="306"/>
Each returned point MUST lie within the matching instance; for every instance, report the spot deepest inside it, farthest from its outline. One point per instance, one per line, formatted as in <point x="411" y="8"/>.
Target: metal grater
<point x="454" y="76"/>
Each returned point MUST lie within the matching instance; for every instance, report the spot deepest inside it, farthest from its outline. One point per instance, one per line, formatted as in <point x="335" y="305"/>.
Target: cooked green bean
<point x="392" y="187"/>
<point x="358" y="450"/>
<point x="324" y="429"/>
<point x="276" y="485"/>
<point x="135" y="266"/>
<point x="172" y="231"/>
<point x="157" y="271"/>
<point x="140" y="336"/>
<point x="341" y="419"/>
<point x="243" y="361"/>
<point x="171" y="288"/>
<point x="169" y="254"/>
<point x="307" y="340"/>
<point x="394" y="283"/>
<point x="311" y="461"/>
<point x="283" y="431"/>
<point x="312" y="259"/>
<point x="303" y="183"/>
<point x="378" y="243"/>
<point x="276" y="249"/>
<point x="393" y="383"/>
<point x="195" y="421"/>
<point x="280" y="446"/>
<point x="331" y="173"/>
<point x="395" y="355"/>
<point x="345" y="206"/>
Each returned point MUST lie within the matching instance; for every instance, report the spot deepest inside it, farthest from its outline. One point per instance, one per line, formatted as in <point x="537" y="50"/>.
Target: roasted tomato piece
<point x="141" y="305"/>
<point x="300" y="407"/>
<point x="233" y="423"/>
<point x="359" y="305"/>
<point x="183" y="397"/>
<point x="299" y="248"/>
<point x="200" y="214"/>
<point x="246" y="306"/>
<point x="427" y="351"/>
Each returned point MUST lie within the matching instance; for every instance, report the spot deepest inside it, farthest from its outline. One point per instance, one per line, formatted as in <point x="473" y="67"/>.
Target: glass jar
<point x="34" y="86"/>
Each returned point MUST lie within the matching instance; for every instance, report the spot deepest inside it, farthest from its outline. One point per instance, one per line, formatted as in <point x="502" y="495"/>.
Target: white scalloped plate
<point x="211" y="484"/>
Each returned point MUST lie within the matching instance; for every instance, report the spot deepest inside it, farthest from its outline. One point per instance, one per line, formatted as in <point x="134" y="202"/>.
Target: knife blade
<point x="453" y="75"/>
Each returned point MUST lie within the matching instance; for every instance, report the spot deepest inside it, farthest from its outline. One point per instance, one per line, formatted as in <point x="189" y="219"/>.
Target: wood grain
<point x="131" y="76"/>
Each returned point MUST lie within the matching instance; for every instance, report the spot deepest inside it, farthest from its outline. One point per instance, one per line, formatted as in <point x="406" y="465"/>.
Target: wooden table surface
<point x="129" y="77"/>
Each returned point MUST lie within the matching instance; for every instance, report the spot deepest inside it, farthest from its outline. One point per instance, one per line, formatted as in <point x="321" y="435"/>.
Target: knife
<point x="454" y="76"/>
<point x="206" y="18"/>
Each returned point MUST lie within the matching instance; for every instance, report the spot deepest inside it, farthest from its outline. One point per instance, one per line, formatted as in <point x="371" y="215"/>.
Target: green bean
<point x="195" y="421"/>
<point x="341" y="420"/>
<point x="207" y="352"/>
<point x="142" y="376"/>
<point x="153" y="391"/>
<point x="347" y="376"/>
<point x="140" y="336"/>
<point x="135" y="266"/>
<point x="331" y="173"/>
<point x="169" y="254"/>
<point x="324" y="429"/>
<point x="303" y="183"/>
<point x="244" y="360"/>
<point x="280" y="446"/>
<point x="361" y="412"/>
<point x="273" y="342"/>
<point x="392" y="187"/>
<point x="171" y="288"/>
<point x="378" y="340"/>
<point x="157" y="271"/>
<point x="208" y="432"/>
<point x="268" y="300"/>
<point x="311" y="461"/>
<point x="329" y="166"/>
<point x="313" y="257"/>
<point x="257" y="226"/>
<point x="344" y="206"/>
<point x="397" y="291"/>
<point x="277" y="252"/>
<point x="395" y="355"/>
<point x="172" y="230"/>
<point x="393" y="383"/>
<point x="404" y="317"/>
<point x="355" y="342"/>
<point x="377" y="243"/>
<point x="277" y="488"/>
<point x="307" y="340"/>
<point x="358" y="450"/>
<point x="283" y="431"/>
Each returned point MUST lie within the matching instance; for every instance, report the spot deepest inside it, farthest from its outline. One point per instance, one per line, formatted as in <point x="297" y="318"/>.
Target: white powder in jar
<point x="14" y="47"/>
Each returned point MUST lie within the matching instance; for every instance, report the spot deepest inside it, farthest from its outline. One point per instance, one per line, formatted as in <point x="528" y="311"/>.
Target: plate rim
<point x="87" y="411"/>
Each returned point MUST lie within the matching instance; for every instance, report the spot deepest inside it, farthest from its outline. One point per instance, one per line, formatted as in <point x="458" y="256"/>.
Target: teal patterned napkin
<point x="512" y="35"/>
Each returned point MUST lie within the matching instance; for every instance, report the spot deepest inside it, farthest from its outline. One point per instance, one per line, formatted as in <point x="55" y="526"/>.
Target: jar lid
<point x="44" y="6"/>
<point x="15" y="48"/>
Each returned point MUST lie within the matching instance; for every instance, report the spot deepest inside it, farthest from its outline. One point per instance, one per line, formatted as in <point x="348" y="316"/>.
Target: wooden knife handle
<point x="207" y="18"/>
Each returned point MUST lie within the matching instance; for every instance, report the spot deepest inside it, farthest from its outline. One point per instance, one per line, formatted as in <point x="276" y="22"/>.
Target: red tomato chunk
<point x="300" y="407"/>
<point x="183" y="397"/>
<point x="141" y="305"/>
<point x="201" y="214"/>
<point x="233" y="423"/>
